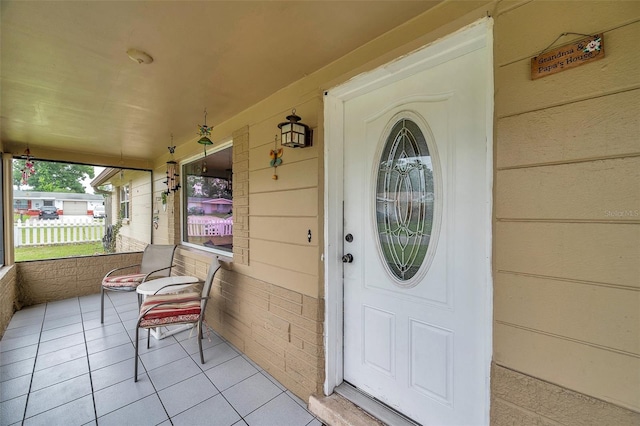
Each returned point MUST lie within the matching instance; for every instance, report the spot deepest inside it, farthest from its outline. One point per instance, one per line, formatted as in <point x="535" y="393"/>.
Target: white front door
<point x="417" y="209"/>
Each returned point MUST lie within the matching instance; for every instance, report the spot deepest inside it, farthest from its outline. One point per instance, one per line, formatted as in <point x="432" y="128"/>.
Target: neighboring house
<point x="518" y="306"/>
<point x="29" y="202"/>
<point x="127" y="196"/>
<point x="211" y="205"/>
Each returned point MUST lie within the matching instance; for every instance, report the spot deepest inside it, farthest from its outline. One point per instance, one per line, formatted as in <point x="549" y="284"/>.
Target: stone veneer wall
<point x="279" y="329"/>
<point x="41" y="281"/>
<point x="241" y="196"/>
<point x="127" y="244"/>
<point x="7" y="296"/>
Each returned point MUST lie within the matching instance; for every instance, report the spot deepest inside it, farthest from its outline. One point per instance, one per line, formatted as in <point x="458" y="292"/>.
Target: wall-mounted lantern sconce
<point x="172" y="182"/>
<point x="295" y="134"/>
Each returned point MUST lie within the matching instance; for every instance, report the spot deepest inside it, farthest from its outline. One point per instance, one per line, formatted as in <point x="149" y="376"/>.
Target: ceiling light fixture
<point x="139" y="56"/>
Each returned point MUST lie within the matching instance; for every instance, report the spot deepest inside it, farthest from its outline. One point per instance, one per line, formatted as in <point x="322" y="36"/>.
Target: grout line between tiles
<point x="86" y="348"/>
<point x="146" y="372"/>
<point x="33" y="369"/>
<point x="139" y="361"/>
<point x="257" y="408"/>
<point x="224" y="397"/>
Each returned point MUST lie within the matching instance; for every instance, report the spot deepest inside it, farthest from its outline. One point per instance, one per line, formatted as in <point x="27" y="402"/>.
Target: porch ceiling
<point x="68" y="85"/>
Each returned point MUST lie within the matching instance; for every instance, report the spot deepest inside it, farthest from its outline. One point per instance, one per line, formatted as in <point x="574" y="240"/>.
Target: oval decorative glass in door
<point x="404" y="200"/>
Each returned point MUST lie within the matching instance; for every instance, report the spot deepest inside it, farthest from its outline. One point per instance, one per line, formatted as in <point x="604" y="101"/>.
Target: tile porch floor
<point x="60" y="366"/>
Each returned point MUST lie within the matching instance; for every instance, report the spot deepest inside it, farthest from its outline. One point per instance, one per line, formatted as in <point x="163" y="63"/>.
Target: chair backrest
<point x="208" y="282"/>
<point x="157" y="256"/>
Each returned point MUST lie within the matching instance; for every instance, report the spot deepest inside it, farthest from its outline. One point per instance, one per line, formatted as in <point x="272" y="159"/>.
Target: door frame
<point x="472" y="37"/>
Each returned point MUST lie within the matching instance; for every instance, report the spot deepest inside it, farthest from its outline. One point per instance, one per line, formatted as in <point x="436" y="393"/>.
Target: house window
<point x="125" y="203"/>
<point x="404" y="201"/>
<point x="20" y="204"/>
<point x="207" y="201"/>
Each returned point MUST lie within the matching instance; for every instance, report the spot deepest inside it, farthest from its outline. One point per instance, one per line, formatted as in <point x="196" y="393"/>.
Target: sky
<point x="87" y="182"/>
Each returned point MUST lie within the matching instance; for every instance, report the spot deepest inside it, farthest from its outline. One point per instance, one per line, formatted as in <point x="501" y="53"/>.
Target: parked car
<point x="48" y="212"/>
<point x="199" y="211"/>
<point x="98" y="212"/>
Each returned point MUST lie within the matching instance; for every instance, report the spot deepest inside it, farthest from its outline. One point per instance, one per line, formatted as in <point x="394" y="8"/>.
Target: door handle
<point x="347" y="258"/>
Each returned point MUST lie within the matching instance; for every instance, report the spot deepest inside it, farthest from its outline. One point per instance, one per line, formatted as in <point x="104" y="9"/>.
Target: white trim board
<point x="475" y="36"/>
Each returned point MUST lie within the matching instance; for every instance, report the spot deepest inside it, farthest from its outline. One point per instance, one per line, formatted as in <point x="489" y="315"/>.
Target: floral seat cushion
<point x="164" y="309"/>
<point x="131" y="280"/>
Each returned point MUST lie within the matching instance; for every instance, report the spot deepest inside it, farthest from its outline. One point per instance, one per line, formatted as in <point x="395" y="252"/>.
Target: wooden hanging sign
<point x="569" y="56"/>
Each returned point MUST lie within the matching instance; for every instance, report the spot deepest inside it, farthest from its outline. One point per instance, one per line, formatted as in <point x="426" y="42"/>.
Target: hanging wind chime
<point x="29" y="167"/>
<point x="229" y="188"/>
<point x="172" y="182"/>
<point x="205" y="132"/>
<point x="276" y="158"/>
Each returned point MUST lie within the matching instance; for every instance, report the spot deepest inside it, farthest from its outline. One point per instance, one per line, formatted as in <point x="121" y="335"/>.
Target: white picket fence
<point x="207" y="226"/>
<point x="33" y="232"/>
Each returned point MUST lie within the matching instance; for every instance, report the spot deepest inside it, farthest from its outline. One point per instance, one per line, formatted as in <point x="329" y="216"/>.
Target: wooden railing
<point x="34" y="232"/>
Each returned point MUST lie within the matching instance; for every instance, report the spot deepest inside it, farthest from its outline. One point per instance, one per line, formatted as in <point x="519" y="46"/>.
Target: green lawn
<point x="57" y="251"/>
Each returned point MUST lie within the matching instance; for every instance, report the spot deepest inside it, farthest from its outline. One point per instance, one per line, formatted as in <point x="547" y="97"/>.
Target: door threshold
<point x="372" y="406"/>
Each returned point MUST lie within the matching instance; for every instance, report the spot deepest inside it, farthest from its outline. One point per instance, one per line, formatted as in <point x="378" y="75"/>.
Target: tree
<point x="207" y="187"/>
<point x="54" y="177"/>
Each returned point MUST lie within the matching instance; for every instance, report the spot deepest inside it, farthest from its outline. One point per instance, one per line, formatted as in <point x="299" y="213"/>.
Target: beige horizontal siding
<point x="611" y="376"/>
<point x="603" y="190"/>
<point x="292" y="230"/>
<point x="300" y="202"/>
<point x="573" y="310"/>
<point x="528" y="28"/>
<point x="591" y="252"/>
<point x="301" y="258"/>
<point x="302" y="174"/>
<point x="606" y="126"/>
<point x="567" y="230"/>
<point x="281" y="212"/>
<point x="516" y="93"/>
<point x="259" y="157"/>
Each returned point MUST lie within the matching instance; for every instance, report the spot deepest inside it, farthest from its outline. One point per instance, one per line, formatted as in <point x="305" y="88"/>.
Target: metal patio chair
<point x="157" y="261"/>
<point x="161" y="310"/>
